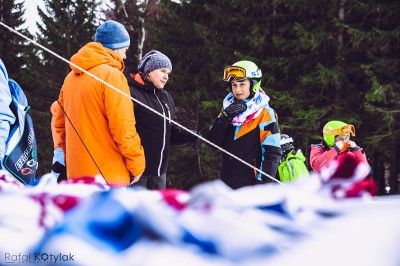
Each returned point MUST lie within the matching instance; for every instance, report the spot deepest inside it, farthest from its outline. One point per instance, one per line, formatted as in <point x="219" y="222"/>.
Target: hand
<point x="352" y="144"/>
<point x="134" y="179"/>
<point x="60" y="171"/>
<point x="234" y="109"/>
<point x="339" y="144"/>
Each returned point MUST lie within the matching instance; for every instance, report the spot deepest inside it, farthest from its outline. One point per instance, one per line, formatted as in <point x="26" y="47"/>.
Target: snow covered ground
<point x="323" y="219"/>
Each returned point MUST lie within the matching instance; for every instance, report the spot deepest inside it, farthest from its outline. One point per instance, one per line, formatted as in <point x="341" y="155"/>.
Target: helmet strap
<point x="253" y="82"/>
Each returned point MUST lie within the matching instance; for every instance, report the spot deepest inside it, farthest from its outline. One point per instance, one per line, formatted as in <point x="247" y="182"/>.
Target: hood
<point x="136" y="79"/>
<point x="94" y="54"/>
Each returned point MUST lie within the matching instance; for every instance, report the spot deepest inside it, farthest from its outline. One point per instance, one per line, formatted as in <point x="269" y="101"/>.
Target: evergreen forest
<point x="321" y="60"/>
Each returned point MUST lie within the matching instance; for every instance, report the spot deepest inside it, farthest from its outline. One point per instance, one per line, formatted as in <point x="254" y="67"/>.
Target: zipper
<point x="169" y="112"/>
<point x="164" y="134"/>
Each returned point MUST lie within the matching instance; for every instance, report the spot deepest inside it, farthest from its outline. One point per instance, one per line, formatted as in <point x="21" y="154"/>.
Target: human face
<point x="241" y="89"/>
<point x="344" y="138"/>
<point x="122" y="52"/>
<point x="159" y="77"/>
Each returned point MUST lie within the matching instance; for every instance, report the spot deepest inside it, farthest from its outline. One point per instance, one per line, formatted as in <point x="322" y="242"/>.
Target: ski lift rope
<point x="136" y="101"/>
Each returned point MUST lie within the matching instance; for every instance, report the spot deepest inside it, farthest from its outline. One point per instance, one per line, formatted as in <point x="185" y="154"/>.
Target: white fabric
<point x="254" y="107"/>
<point x="285" y="141"/>
<point x="298" y="223"/>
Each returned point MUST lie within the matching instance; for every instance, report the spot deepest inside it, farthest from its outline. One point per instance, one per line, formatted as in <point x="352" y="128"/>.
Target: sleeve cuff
<point x="336" y="148"/>
<point x="355" y="148"/>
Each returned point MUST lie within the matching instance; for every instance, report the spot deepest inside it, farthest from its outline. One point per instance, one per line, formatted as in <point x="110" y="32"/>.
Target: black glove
<point x="236" y="108"/>
<point x="60" y="169"/>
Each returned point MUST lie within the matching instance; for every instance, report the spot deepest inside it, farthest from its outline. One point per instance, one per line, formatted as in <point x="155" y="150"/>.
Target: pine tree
<point x="13" y="49"/>
<point x="176" y="36"/>
<point x="65" y="26"/>
<point x="317" y="63"/>
<point x="136" y="16"/>
<point x="144" y="20"/>
<point x="334" y="60"/>
<point x="128" y="14"/>
<point x="375" y="36"/>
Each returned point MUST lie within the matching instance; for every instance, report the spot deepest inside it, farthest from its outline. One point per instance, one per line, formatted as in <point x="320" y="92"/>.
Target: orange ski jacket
<point x="106" y="141"/>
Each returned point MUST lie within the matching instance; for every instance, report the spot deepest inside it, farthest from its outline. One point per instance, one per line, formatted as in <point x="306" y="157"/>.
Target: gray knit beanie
<point x="154" y="60"/>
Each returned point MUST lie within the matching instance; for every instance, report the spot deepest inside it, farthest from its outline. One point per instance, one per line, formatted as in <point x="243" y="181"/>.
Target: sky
<point x="31" y="14"/>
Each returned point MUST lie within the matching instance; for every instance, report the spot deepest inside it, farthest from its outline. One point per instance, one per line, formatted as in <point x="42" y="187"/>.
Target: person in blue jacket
<point x="18" y="148"/>
<point x="7" y="118"/>
<point x="247" y="128"/>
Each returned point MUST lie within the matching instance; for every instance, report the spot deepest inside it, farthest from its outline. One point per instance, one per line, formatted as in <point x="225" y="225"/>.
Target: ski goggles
<point x="345" y="130"/>
<point x="235" y="72"/>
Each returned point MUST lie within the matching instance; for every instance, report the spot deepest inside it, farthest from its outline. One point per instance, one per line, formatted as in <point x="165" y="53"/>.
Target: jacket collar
<point x="94" y="54"/>
<point x="137" y="77"/>
<point x="144" y="84"/>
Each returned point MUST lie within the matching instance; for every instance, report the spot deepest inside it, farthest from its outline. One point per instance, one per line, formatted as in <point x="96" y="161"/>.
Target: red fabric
<point x="174" y="198"/>
<point x="320" y="157"/>
<point x="365" y="186"/>
<point x="137" y="78"/>
<point x="349" y="177"/>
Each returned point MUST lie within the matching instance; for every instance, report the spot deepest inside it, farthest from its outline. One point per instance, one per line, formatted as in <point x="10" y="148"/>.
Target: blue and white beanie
<point x="113" y="35"/>
<point x="154" y="60"/>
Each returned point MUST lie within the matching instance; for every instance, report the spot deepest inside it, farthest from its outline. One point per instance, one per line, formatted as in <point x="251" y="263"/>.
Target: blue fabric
<point x="102" y="222"/>
<point x="205" y="244"/>
<point x="7" y="117"/>
<point x="20" y="157"/>
<point x="17" y="92"/>
<point x="58" y="156"/>
<point x="154" y="60"/>
<point x="19" y="98"/>
<point x="113" y="35"/>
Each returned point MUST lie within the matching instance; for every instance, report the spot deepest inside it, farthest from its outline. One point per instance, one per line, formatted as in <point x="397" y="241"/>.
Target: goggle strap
<point x="339" y="131"/>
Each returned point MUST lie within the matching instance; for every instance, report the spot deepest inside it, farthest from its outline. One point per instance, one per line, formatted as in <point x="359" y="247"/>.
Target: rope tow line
<point x="136" y="101"/>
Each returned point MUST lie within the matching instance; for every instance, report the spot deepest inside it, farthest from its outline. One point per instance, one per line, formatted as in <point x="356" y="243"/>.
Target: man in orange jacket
<point x="96" y="125"/>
